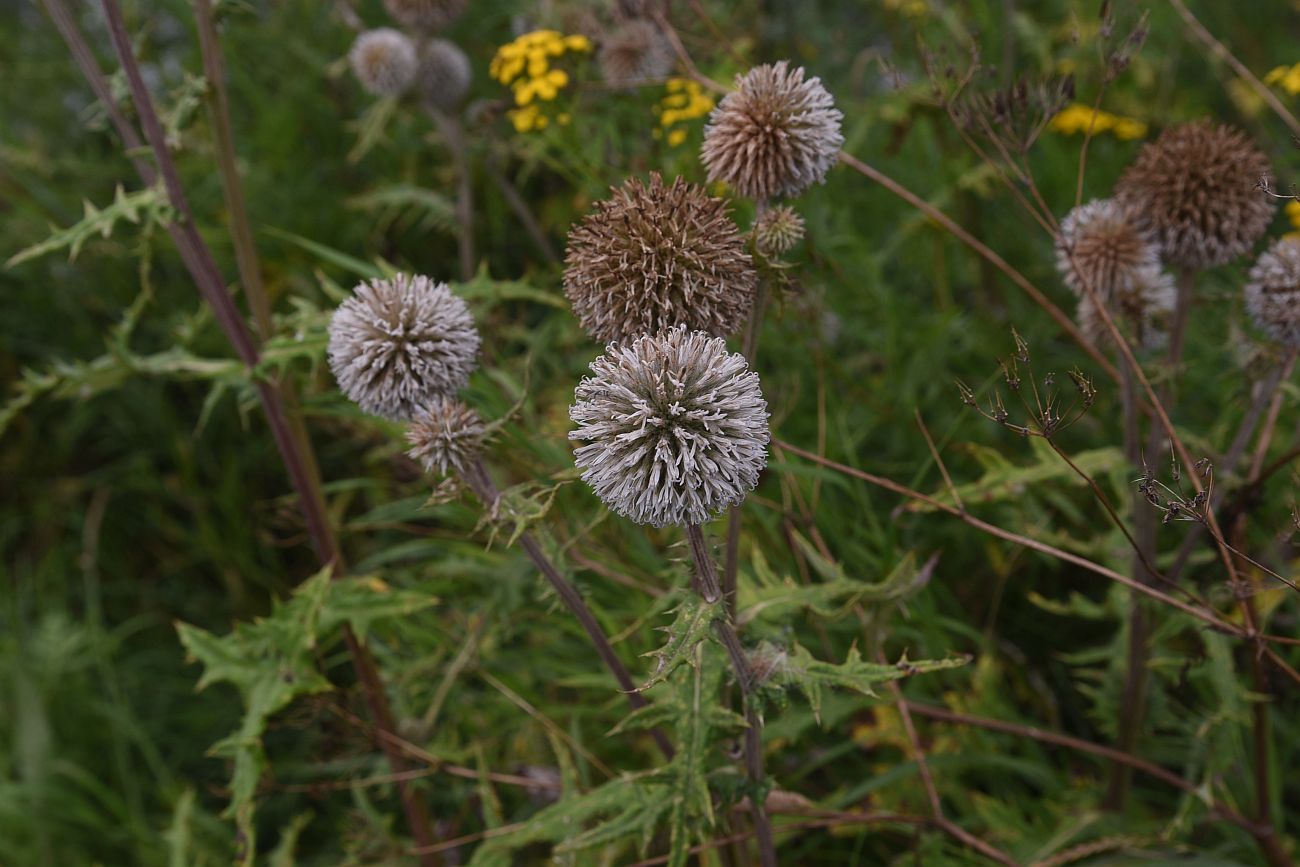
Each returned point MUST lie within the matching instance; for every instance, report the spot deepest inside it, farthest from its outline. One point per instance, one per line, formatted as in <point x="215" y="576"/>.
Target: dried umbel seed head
<point x="776" y="135"/>
<point x="1143" y="309"/>
<point x="674" y="426"/>
<point x="1273" y="293"/>
<point x="443" y="75"/>
<point x="446" y="437"/>
<point x="635" y="52"/>
<point x="778" y="230"/>
<point x="653" y="256"/>
<point x="1103" y="245"/>
<point x="1197" y="188"/>
<point x="384" y="61"/>
<point x="425" y="15"/>
<point x="398" y="344"/>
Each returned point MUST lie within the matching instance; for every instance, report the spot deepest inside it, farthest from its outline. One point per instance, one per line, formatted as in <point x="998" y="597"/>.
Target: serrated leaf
<point x="694" y="617"/>
<point x="148" y="205"/>
<point x="407" y="206"/>
<point x="810" y="676"/>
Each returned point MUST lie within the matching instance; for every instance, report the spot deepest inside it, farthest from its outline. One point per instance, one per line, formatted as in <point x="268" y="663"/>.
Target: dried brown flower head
<point x="1273" y="293"/>
<point x="1143" y="309"/>
<point x="634" y="52"/>
<point x="778" y="230"/>
<point x="774" y="136"/>
<point x="1103" y="245"/>
<point x="1197" y="189"/>
<point x="655" y="255"/>
<point x="397" y="345"/>
<point x="446" y="437"/>
<point x="384" y="61"/>
<point x="443" y="75"/>
<point x="425" y="15"/>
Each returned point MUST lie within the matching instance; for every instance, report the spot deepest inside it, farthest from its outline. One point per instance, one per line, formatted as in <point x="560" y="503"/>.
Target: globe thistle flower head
<point x="1196" y="187"/>
<point x="673" y="426"/>
<point x="1273" y="292"/>
<point x="1103" y="245"/>
<point x="446" y="437"/>
<point x="776" y="135"/>
<point x="656" y="255"/>
<point x="443" y="76"/>
<point x="384" y="61"/>
<point x="398" y="344"/>
<point x="635" y="52"/>
<point x="778" y="230"/>
<point x="1143" y="308"/>
<point x="425" y="16"/>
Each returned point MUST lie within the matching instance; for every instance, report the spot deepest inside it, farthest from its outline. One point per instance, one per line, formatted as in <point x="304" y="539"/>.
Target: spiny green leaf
<point x="689" y="628"/>
<point x="148" y="205"/>
<point x="407" y="206"/>
<point x="811" y="675"/>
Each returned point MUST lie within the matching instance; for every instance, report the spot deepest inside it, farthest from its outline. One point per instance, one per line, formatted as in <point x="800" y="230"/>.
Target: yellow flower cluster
<point x="1285" y="77"/>
<point x="1293" y="216"/>
<point x="525" y="65"/>
<point x="685" y="101"/>
<point x="1078" y="118"/>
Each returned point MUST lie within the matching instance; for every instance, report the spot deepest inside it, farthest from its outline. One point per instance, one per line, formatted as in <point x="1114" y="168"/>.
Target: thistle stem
<point x="706" y="585"/>
<point x="480" y="482"/>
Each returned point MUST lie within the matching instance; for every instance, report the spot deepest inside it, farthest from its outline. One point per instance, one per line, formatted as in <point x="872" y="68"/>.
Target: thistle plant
<point x="443" y="75"/>
<point x="1273" y="292"/>
<point x="777" y="230"/>
<point x="425" y="16"/>
<point x="635" y="52"/>
<point x="384" y="61"/>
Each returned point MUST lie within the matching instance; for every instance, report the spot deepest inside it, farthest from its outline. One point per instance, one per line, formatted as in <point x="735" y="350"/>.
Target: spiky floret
<point x="398" y="344"/>
<point x="425" y="15"/>
<point x="443" y="76"/>
<point x="1273" y="292"/>
<point x="653" y="256"/>
<point x="1197" y="189"/>
<point x="778" y="230"/>
<point x="1143" y="309"/>
<point x="634" y="52"/>
<point x="384" y="61"/>
<point x="446" y="437"/>
<point x="1103" y="245"/>
<point x="776" y="135"/>
<point x="674" y="428"/>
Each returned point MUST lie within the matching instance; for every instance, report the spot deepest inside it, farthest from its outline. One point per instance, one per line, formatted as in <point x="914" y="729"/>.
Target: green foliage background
<point x="141" y="488"/>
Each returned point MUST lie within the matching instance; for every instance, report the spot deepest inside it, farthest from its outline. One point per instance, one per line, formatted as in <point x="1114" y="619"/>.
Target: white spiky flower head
<point x="778" y="230"/>
<point x="384" y="61"/>
<point x="635" y="52"/>
<point x="446" y="436"/>
<point x="1273" y="293"/>
<point x="775" y="135"/>
<point x="396" y="345"/>
<point x="673" y="426"/>
<point x="1143" y="309"/>
<point x="1104" y="245"/>
<point x="444" y="74"/>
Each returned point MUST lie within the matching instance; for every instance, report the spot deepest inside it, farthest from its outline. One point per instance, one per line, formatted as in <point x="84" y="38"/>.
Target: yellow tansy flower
<point x="1078" y="119"/>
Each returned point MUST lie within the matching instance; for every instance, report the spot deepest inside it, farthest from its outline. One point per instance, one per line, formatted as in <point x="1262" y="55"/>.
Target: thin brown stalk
<point x="706" y="584"/>
<point x="522" y="212"/>
<point x="943" y="468"/>
<point x="480" y="481"/>
<point x="453" y="132"/>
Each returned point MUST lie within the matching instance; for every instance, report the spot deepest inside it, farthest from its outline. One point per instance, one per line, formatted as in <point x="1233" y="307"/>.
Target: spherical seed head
<point x="776" y="135"/>
<point x="674" y="426"/>
<point x="1143" y="308"/>
<point x="425" y="15"/>
<point x="634" y="52"/>
<point x="1103" y="245"/>
<point x="1273" y="293"/>
<point x="1197" y="189"/>
<point x="778" y="230"/>
<point x="443" y="76"/>
<point x="398" y="344"/>
<point x="384" y="61"/>
<point x="446" y="437"/>
<point x="653" y="256"/>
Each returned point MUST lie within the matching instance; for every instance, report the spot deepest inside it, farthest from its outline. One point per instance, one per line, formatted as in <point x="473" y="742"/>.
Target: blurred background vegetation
<point x="141" y="487"/>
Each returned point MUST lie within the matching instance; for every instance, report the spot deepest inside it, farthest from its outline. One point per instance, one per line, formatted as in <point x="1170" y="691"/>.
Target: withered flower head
<point x="635" y="52"/>
<point x="443" y="75"/>
<point x="653" y="256"/>
<point x="774" y="136"/>
<point x="1143" y="309"/>
<point x="384" y="61"/>
<point x="1273" y="293"/>
<point x="1197" y="188"/>
<point x="1103" y="245"/>
<point x="778" y="230"/>
<point x="674" y="428"/>
<point x="425" y="15"/>
<point x="398" y="344"/>
<point x="446" y="437"/>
